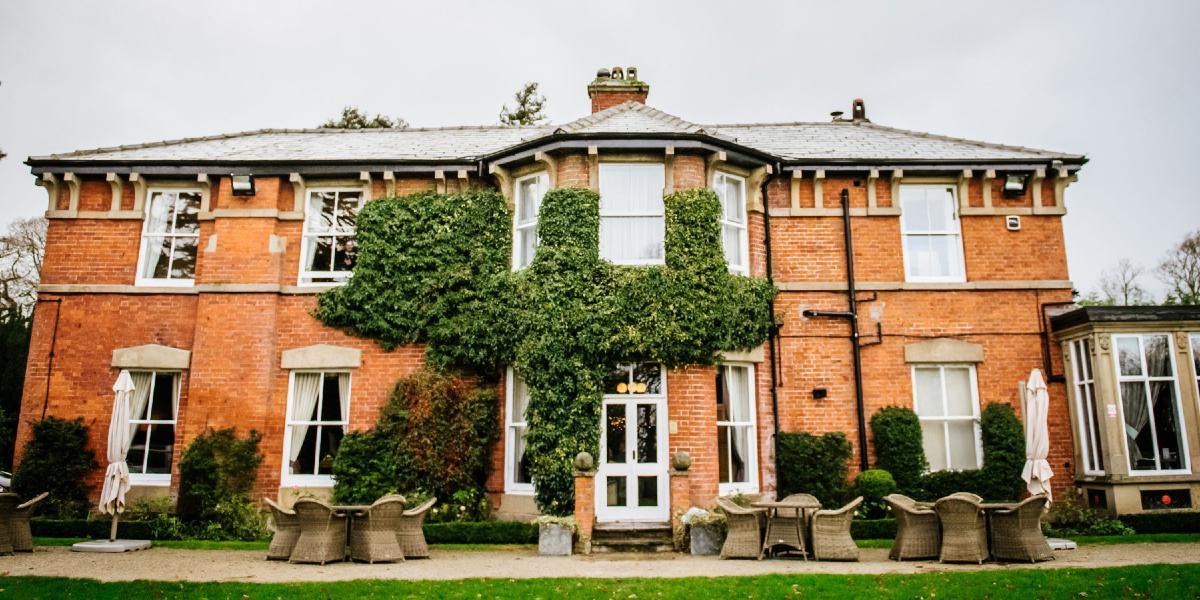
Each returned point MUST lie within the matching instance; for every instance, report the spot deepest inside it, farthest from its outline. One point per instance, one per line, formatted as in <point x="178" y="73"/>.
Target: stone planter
<point x="707" y="539"/>
<point x="554" y="539"/>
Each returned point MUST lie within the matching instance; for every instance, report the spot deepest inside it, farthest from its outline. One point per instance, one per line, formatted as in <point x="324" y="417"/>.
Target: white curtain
<point x="156" y="225"/>
<point x="736" y="388"/>
<point x="344" y="395"/>
<point x="304" y="400"/>
<point x="138" y="400"/>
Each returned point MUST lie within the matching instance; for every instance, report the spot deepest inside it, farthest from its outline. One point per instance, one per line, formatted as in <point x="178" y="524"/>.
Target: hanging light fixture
<point x="243" y="185"/>
<point x="1014" y="184"/>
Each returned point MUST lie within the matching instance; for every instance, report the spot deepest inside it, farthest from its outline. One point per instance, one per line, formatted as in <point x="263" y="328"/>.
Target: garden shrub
<point x="216" y="474"/>
<point x="813" y="464"/>
<point x="1068" y="518"/>
<point x="898" y="447"/>
<point x="57" y="459"/>
<point x="1003" y="439"/>
<point x="1175" y="521"/>
<point x="939" y="484"/>
<point x="873" y="485"/>
<point x="873" y="529"/>
<point x="367" y="465"/>
<point x="563" y="321"/>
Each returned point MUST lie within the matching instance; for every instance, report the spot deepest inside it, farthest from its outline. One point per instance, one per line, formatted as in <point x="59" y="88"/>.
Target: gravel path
<point x="166" y="564"/>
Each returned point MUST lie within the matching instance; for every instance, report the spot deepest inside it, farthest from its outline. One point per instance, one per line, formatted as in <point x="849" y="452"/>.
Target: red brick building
<point x="194" y="264"/>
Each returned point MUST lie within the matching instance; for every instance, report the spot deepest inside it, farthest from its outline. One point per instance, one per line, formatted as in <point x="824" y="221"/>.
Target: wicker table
<point x="988" y="509"/>
<point x="781" y="532"/>
<point x="351" y="511"/>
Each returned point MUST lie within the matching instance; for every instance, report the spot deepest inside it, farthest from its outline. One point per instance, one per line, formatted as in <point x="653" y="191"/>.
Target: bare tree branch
<point x="22" y="248"/>
<point x="1180" y="270"/>
<point x="1120" y="285"/>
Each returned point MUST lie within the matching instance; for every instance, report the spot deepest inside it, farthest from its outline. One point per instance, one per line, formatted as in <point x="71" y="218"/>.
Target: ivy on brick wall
<point x="434" y="269"/>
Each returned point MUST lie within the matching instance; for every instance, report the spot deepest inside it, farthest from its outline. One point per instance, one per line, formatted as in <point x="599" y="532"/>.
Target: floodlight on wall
<point x="243" y="185"/>
<point x="1014" y="184"/>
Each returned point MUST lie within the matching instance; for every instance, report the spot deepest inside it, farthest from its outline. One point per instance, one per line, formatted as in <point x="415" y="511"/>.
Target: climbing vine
<point x="434" y="269"/>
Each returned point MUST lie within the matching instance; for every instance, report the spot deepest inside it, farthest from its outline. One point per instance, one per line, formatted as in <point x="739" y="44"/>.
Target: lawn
<point x="1150" y="581"/>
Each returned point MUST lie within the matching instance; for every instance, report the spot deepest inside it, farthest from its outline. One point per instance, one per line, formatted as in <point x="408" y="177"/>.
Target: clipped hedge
<point x="873" y="529"/>
<point x="814" y="464"/>
<point x="898" y="448"/>
<point x="1003" y="453"/>
<point x="1178" y="521"/>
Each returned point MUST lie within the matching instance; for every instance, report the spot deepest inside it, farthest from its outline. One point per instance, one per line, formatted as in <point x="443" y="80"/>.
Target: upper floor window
<point x="631" y="213"/>
<point x="527" y="201"/>
<point x="170" y="234"/>
<point x="932" y="236"/>
<point x="1087" y="408"/>
<point x="1150" y="406"/>
<point x="946" y="400"/>
<point x="317" y="416"/>
<point x="732" y="191"/>
<point x="328" y="250"/>
<point x="153" y="407"/>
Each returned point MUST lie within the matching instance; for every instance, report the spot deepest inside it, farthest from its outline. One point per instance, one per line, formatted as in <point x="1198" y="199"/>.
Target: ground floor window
<point x="1150" y="407"/>
<point x="736" y="449"/>
<point x="318" y="412"/>
<point x="516" y="464"/>
<point x="1088" y="423"/>
<point x="152" y="411"/>
<point x="946" y="399"/>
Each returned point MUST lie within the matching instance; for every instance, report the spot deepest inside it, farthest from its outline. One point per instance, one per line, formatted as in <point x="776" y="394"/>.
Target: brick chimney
<point x="614" y="86"/>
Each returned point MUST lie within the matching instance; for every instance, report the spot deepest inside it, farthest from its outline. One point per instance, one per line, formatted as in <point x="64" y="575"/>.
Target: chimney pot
<point x="602" y="74"/>
<point x="618" y="73"/>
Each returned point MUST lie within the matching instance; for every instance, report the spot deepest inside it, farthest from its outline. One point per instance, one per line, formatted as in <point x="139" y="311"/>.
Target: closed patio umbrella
<point x="1037" y="471"/>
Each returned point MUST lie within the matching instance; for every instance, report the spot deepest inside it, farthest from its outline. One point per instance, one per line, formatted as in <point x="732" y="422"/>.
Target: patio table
<point x="351" y="511"/>
<point x="800" y="522"/>
<point x="988" y="509"/>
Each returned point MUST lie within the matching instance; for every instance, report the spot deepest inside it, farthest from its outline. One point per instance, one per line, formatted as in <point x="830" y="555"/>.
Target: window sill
<point x="935" y="279"/>
<point x="164" y="282"/>
<point x="730" y="489"/>
<point x="307" y="481"/>
<point x="517" y="489"/>
<point x="138" y="480"/>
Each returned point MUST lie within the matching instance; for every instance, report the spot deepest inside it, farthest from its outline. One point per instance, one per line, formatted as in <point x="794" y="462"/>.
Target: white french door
<point x="632" y="483"/>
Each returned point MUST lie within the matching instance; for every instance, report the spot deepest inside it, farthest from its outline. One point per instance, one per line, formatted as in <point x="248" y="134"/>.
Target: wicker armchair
<point x="322" y="533"/>
<point x="22" y="537"/>
<point x="8" y="505"/>
<point x="411" y="534"/>
<point x="286" y="527"/>
<point x="968" y="495"/>
<point x="964" y="530"/>
<point x="373" y="534"/>
<point x="918" y="531"/>
<point x="831" y="533"/>
<point x="744" y="539"/>
<point x="1017" y="533"/>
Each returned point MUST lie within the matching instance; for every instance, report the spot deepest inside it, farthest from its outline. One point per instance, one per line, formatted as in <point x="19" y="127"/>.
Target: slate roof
<point x="1125" y="314"/>
<point x="818" y="141"/>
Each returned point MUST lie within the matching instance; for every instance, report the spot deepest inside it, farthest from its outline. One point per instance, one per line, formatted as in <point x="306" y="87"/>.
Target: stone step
<point x="632" y="537"/>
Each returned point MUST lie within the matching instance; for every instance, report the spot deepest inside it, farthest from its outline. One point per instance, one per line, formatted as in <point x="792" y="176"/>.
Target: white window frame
<point x="139" y="279"/>
<point x="156" y="479"/>
<point x="1193" y="352"/>
<point x="1086" y="406"/>
<point x="512" y="427"/>
<point x="956" y="231"/>
<point x="1146" y="378"/>
<point x="945" y="420"/>
<point x="744" y="225"/>
<point x="314" y="480"/>
<point x="305" y="277"/>
<point x="751" y="485"/>
<point x="543" y="179"/>
<point x="609" y="214"/>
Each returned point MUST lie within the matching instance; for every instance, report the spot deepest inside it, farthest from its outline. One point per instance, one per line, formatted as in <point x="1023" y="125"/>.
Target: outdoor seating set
<point x="794" y="524"/>
<point x="963" y="528"/>
<point x="317" y="532"/>
<point x="15" y="535"/>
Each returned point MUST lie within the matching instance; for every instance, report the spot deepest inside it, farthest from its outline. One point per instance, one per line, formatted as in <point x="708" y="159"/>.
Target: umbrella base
<point x="1061" y="544"/>
<point x="107" y="546"/>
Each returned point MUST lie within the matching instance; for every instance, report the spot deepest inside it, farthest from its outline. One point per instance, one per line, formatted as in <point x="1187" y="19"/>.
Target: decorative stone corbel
<point x="51" y="182"/>
<point x="551" y="165"/>
<point x="117" y="186"/>
<point x="754" y="183"/>
<point x="988" y="176"/>
<point x="897" y="177"/>
<point x="139" y="191"/>
<point x="797" y="176"/>
<point x="1062" y="179"/>
<point x="389" y="182"/>
<point x="368" y="185"/>
<point x="1035" y="187"/>
<point x="669" y="170"/>
<point x="73" y="182"/>
<point x="964" y="189"/>
<point x="872" y="195"/>
<point x="439" y="177"/>
<point x="205" y="185"/>
<point x="503" y="181"/>
<point x="710" y="166"/>
<point x="593" y="168"/>
<point x="818" y="190"/>
<point x="297" y="181"/>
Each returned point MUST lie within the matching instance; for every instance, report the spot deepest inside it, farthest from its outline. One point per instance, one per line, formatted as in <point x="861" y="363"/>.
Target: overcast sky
<point x="1117" y="81"/>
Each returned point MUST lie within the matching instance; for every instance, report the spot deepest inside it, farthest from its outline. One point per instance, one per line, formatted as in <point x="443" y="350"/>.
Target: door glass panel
<point x="617" y="381"/>
<point x="647" y="433"/>
<point x="615" y="433"/>
<point x="647" y="490"/>
<point x="647" y="378"/>
<point x="616" y="490"/>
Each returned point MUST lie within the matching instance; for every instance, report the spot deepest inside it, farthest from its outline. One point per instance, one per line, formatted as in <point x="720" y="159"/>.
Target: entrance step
<point x="632" y="537"/>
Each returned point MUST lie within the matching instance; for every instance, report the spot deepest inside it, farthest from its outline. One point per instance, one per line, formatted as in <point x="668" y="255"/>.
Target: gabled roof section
<point x="632" y="118"/>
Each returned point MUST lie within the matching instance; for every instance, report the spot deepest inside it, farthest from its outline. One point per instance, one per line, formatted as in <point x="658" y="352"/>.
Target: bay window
<point x="153" y="407"/>
<point x="631" y="213"/>
<point x="170" y="235"/>
<point x="946" y="400"/>
<point x="1150" y="404"/>
<point x="1087" y="409"/>
<point x="317" y="415"/>
<point x="328" y="249"/>
<point x="737" y="468"/>
<point x="932" y="236"/>
<point x="527" y="202"/>
<point x="731" y="189"/>
<point x="516" y="464"/>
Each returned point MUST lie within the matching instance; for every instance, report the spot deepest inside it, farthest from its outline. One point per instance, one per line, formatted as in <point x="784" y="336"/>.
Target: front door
<point x="631" y="481"/>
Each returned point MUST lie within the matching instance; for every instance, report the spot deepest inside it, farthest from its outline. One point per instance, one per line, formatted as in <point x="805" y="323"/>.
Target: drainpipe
<point x="773" y="337"/>
<point x="50" y="357"/>
<point x="851" y="316"/>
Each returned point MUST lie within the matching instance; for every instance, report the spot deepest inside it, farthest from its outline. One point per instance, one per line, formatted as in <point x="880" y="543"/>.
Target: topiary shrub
<point x="57" y="459"/>
<point x="1003" y="439"/>
<point x="898" y="447"/>
<point x="939" y="484"/>
<point x="873" y="485"/>
<point x="367" y="465"/>
<point x="813" y="464"/>
<point x="216" y="475"/>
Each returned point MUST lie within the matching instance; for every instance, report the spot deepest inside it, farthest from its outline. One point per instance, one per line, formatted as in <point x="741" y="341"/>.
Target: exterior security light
<point x="243" y="185"/>
<point x="1014" y="184"/>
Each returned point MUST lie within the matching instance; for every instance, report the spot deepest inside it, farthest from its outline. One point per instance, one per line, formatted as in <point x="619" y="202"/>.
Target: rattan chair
<point x="322" y="533"/>
<point x="8" y="505"/>
<point x="918" y="531"/>
<point x="411" y="534"/>
<point x="1017" y="533"/>
<point x="373" y="534"/>
<point x="964" y="530"/>
<point x="286" y="527"/>
<point x="22" y="536"/>
<point x="968" y="495"/>
<point x="831" y="533"/>
<point x="788" y="527"/>
<point x="744" y="537"/>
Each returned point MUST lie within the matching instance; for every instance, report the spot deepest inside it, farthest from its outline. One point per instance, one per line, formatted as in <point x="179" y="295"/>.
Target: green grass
<point x="1149" y="581"/>
<point x="1090" y="540"/>
<point x="262" y="545"/>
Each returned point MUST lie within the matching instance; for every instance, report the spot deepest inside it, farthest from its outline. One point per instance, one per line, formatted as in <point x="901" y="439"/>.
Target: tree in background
<point x="529" y="109"/>
<point x="21" y="251"/>
<point x="353" y="118"/>
<point x="1180" y="270"/>
<point x="1120" y="286"/>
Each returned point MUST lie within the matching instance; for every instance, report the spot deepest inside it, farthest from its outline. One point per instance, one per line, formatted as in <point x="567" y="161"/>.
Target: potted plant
<point x="706" y="531"/>
<point x="555" y="535"/>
